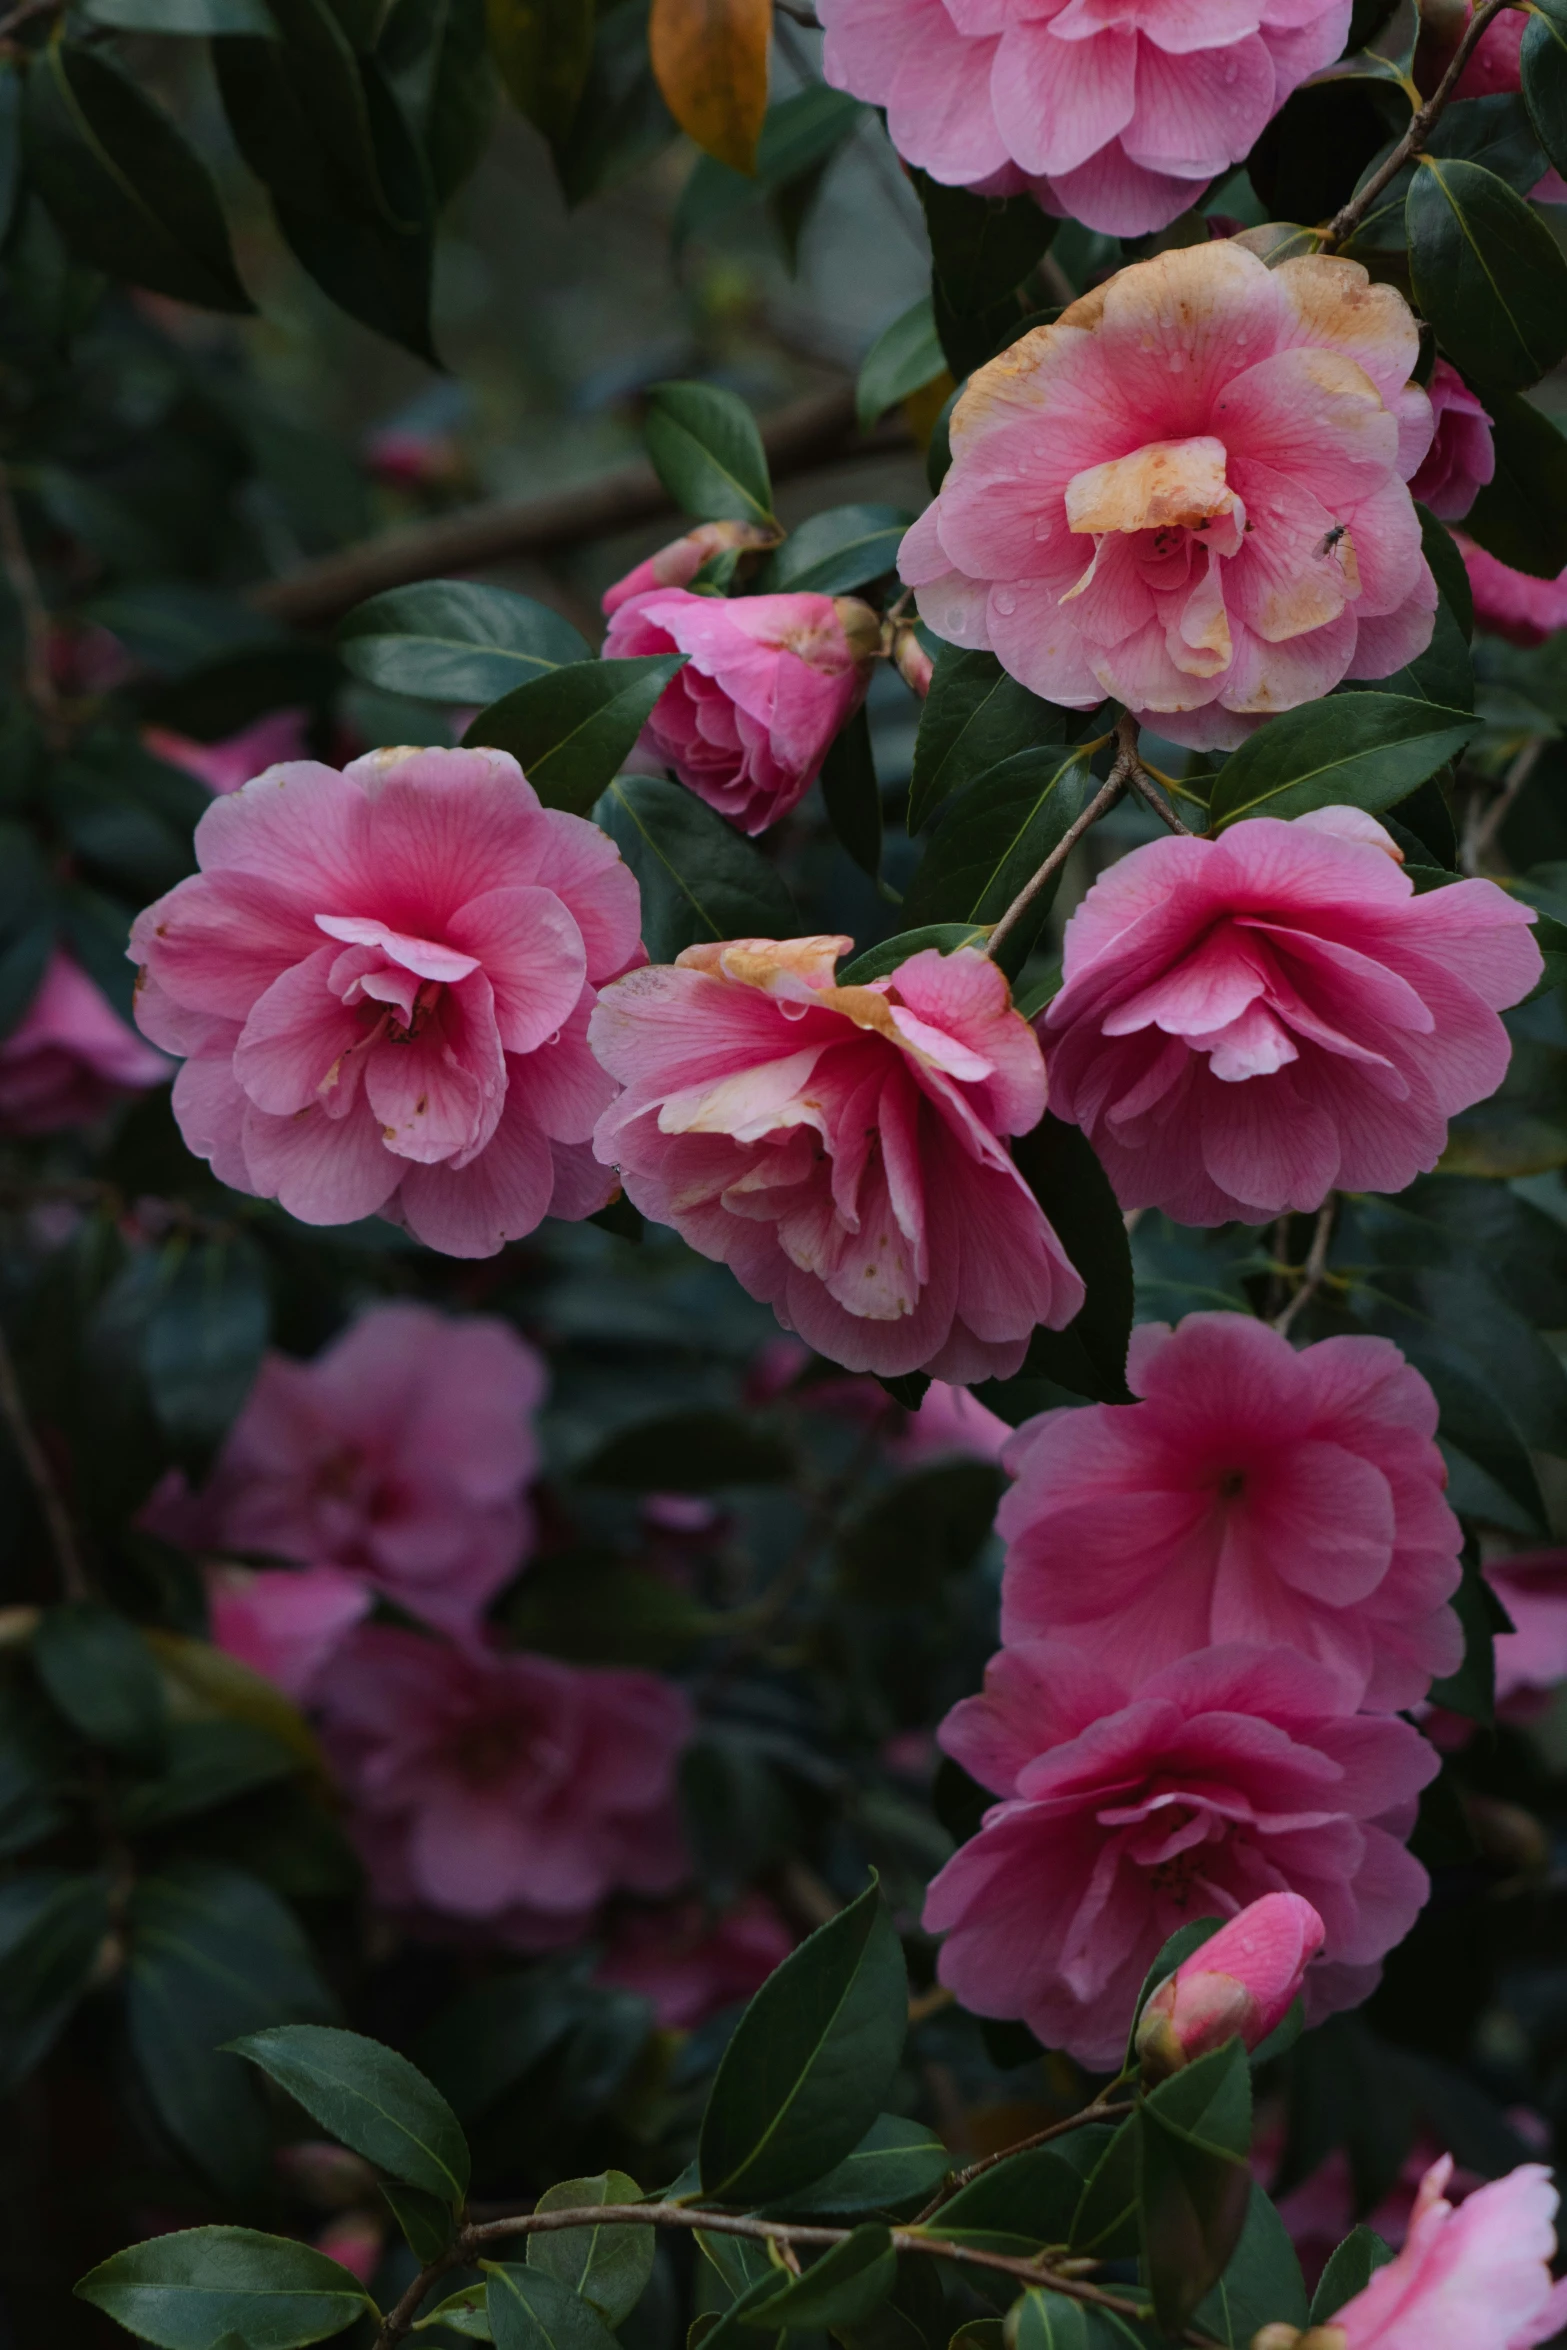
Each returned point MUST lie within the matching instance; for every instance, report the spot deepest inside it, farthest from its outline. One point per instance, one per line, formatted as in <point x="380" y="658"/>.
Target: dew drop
<point x="1004" y="600"/>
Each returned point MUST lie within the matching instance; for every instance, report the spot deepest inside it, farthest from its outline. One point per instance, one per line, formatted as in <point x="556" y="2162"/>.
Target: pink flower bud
<point x="1241" y="1984"/>
<point x="683" y="558"/>
<point x="914" y="665"/>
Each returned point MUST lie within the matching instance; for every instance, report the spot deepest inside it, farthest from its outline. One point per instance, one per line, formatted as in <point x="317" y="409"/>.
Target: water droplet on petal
<point x="1005" y="601"/>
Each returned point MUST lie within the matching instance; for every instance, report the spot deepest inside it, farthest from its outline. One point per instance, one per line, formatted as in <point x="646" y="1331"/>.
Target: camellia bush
<point x="783" y="1427"/>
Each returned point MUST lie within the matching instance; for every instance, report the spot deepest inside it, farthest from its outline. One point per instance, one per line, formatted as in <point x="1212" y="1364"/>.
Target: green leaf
<point x="466" y="2312"/>
<point x="1105" y="2224"/>
<point x="1028" y="2200"/>
<point x="1447" y="569"/>
<point x="1060" y="1168"/>
<point x="1262" y="2284"/>
<point x="623" y="121"/>
<point x="845" y="2287"/>
<point x="689" y="1452"/>
<point x="1487" y="273"/>
<point x="1356" y="750"/>
<point x="205" y="19"/>
<point x="127" y="193"/>
<point x="877" y="961"/>
<point x="1520" y="516"/>
<point x="570" y="730"/>
<point x="699" y="879"/>
<point x="975" y="716"/>
<point x="899" y="1550"/>
<point x="459" y="106"/>
<point x="851" y="794"/>
<point x="426" y="2221"/>
<point x="897" y="2162"/>
<point x="100" y="1673"/>
<point x="206" y="1764"/>
<point x="1193" y="2183"/>
<point x="543" y="49"/>
<point x="608" y="2266"/>
<point x="206" y="1334"/>
<point x="1044" y="2320"/>
<point x="371" y="2098"/>
<point x="1542" y="69"/>
<point x="844" y="547"/>
<point x="982" y="248"/>
<point x="186" y="2290"/>
<point x="991" y="837"/>
<point x="530" y="2310"/>
<point x="904" y="358"/>
<point x="708" y="453"/>
<point x="799" y="138"/>
<point x="53" y="1926"/>
<point x="454" y="640"/>
<point x="811" y="2060"/>
<point x="1350" y="2270"/>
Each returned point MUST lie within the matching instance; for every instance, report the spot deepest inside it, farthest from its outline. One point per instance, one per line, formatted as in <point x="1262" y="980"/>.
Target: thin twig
<point x="1424" y="122"/>
<point x="1100" y="805"/>
<point x="1074" y="2121"/>
<point x="1483" y="824"/>
<point x="1141" y="783"/>
<point x="19" y="572"/>
<point x="1314" y="1269"/>
<point x="62" y="1535"/>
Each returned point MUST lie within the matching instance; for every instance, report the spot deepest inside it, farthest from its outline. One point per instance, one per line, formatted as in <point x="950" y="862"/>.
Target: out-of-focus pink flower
<point x="1494" y="71"/>
<point x="1249" y="1021"/>
<point x="673" y="566"/>
<point x="689" y="1965"/>
<point x="1254" y="1494"/>
<point x="510" y="1790"/>
<point x="840" y="1148"/>
<point x="1229" y="1775"/>
<point x="356" y="2242"/>
<point x="1462" y="455"/>
<point x="1190" y="493"/>
<point x="70" y="1056"/>
<point x="768" y="682"/>
<point x="285" y="1623"/>
<point x="382" y="980"/>
<point x="330" y="2177"/>
<point x="1116" y="114"/>
<point x="949" y="1420"/>
<point x="224" y="766"/>
<point x="1321" y="2211"/>
<point x="1477" y="2274"/>
<point x="1531" y="1659"/>
<point x="402" y="1454"/>
<point x="408" y="458"/>
<point x="1240" y="1984"/>
<point x="1513" y="604"/>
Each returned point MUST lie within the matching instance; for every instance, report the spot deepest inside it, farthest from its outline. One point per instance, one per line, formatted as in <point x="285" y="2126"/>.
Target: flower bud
<point x="914" y="665"/>
<point x="684" y="557"/>
<point x="1239" y="1985"/>
<point x="1288" y="2337"/>
<point x="860" y="626"/>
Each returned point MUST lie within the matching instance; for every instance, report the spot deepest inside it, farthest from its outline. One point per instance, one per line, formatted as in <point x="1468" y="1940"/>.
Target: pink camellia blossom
<point x="382" y="980"/>
<point x="1476" y="2275"/>
<point x="841" y="1148"/>
<point x="504" y="1789"/>
<point x="673" y="566"/>
<point x="1254" y="1494"/>
<point x="1512" y="604"/>
<point x="689" y="1965"/>
<point x="949" y="1420"/>
<point x="1117" y="112"/>
<point x="402" y="1453"/>
<point x="1462" y="455"/>
<point x="768" y="681"/>
<point x="70" y="1057"/>
<point x="1249" y="1021"/>
<point x="1190" y="493"/>
<point x="285" y="1623"/>
<point x="1229" y="1775"/>
<point x="1241" y="1984"/>
<point x="223" y="766"/>
<point x="1531" y="1659"/>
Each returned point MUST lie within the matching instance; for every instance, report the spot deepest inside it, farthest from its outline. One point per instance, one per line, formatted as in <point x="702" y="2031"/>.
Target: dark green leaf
<point x="24" y="959"/>
<point x="1542" y="70"/>
<point x="1262" y="2284"/>
<point x="975" y="716"/>
<point x="708" y="454"/>
<point x="622" y="121"/>
<point x="877" y="961"/>
<point x="897" y="2162"/>
<point x="845" y="2287"/>
<point x="900" y="1549"/>
<point x="494" y="2034"/>
<point x="799" y="137"/>
<point x="426" y="2221"/>
<point x="596" y="1609"/>
<point x="1044" y="2320"/>
<point x="1357" y="750"/>
<point x="1521" y="514"/>
<point x="544" y="49"/>
<point x="570" y="730"/>
<point x="904" y="358"/>
<point x="982" y="248"/>
<point x="1487" y="273"/>
<point x="101" y="1675"/>
<point x="851" y="794"/>
<point x="206" y="1334"/>
<point x="529" y="2310"/>
<point x="1447" y="568"/>
<point x="371" y="2098"/>
<point x="466" y="2312"/>
<point x="206" y="1764"/>
<point x="608" y="2266"/>
<point x="1349" y="2271"/>
<point x="811" y="2060"/>
<point x="459" y="104"/>
<point x="1105" y="2223"/>
<point x="52" y="1931"/>
<point x="127" y="814"/>
<point x="689" y="1452"/>
<point x="844" y="547"/>
<point x="1028" y="2200"/>
<point x="200" y="18"/>
<point x="1089" y="1355"/>
<point x="97" y="931"/>
<point x="187" y="2290"/>
<point x="699" y="879"/>
<point x="128" y="194"/>
<point x="1193" y="2181"/>
<point x="454" y="640"/>
<point x="991" y="837"/>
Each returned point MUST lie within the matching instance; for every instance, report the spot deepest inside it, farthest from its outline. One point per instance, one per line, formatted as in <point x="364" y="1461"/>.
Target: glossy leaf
<point x="1193" y="2183"/>
<point x="100" y="1673"/>
<point x="206" y="1334"/>
<point x="465" y="2312"/>
<point x="1542" y="70"/>
<point x="426" y="2221"/>
<point x="904" y="358"/>
<point x="1521" y="514"/>
<point x="811" y="2060"/>
<point x="878" y="960"/>
<point x="897" y="2162"/>
<point x="1356" y="750"/>
<point x="369" y="2097"/>
<point x="1089" y="1355"/>
<point x="710" y="60"/>
<point x="185" y="2291"/>
<point x="455" y="640"/>
<point x="844" y="547"/>
<point x="1487" y="273"/>
<point x="707" y="452"/>
<point x="543" y="49"/>
<point x="975" y="716"/>
<point x="1262" y="2284"/>
<point x="699" y="879"/>
<point x="843" y="2288"/>
<point x="608" y="2266"/>
<point x="1350" y="2269"/>
<point x="689" y="1452"/>
<point x="851" y="794"/>
<point x="530" y="2310"/>
<point x="1049" y="2321"/>
<point x="622" y="121"/>
<point x="1028" y="2200"/>
<point x="206" y="19"/>
<point x="570" y="730"/>
<point x="991" y="837"/>
<point x="53" y="1925"/>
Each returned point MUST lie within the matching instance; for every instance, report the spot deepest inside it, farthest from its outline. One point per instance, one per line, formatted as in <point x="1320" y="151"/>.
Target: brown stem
<point x="1100" y="805"/>
<point x="23" y="581"/>
<point x="1142" y="783"/>
<point x="1484" y="823"/>
<point x="62" y="1535"/>
<point x="1422" y="124"/>
<point x="1314" y="1269"/>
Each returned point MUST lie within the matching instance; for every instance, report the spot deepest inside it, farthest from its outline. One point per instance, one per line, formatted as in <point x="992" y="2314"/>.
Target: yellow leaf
<point x="710" y="60"/>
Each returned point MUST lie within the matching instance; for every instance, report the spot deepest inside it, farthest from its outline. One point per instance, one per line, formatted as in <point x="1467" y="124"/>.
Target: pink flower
<point x="1241" y="1983"/>
<point x="285" y="1623"/>
<point x="1115" y="111"/>
<point x="402" y="1453"/>
<point x="1462" y="455"/>
<point x="1255" y="1494"/>
<point x="70" y="1056"/>
<point x="1532" y="1657"/>
<point x="768" y="682"/>
<point x="1229" y="1775"/>
<point x="508" y="1789"/>
<point x="224" y="766"/>
<point x="688" y="1965"/>
<point x="683" y="558"/>
<point x="382" y="979"/>
<point x="1249" y="1021"/>
<point x="1320" y="2212"/>
<point x="1513" y="604"/>
<point x="841" y="1148"/>
<point x="949" y="1420"/>
<point x="1190" y="493"/>
<point x="1478" y="2274"/>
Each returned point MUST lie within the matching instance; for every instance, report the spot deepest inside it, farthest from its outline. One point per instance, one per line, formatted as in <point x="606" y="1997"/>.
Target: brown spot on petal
<point x="1164" y="485"/>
